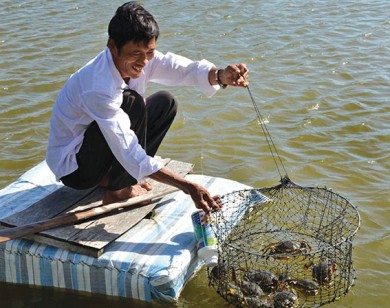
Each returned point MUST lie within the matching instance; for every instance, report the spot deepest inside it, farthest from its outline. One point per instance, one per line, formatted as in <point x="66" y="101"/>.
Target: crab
<point x="239" y="289"/>
<point x="234" y="290"/>
<point x="234" y="294"/>
<point x="293" y="247"/>
<point x="247" y="294"/>
<point x="323" y="271"/>
<point x="250" y="288"/>
<point x="305" y="286"/>
<point x="220" y="271"/>
<point x="285" y="299"/>
<point x="266" y="280"/>
<point x="256" y="302"/>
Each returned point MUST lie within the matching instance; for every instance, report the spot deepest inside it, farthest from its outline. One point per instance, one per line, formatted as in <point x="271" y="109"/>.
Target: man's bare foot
<point x="126" y="193"/>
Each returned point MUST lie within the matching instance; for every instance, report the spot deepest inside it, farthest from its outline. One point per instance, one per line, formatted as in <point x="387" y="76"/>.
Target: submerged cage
<point x="285" y="246"/>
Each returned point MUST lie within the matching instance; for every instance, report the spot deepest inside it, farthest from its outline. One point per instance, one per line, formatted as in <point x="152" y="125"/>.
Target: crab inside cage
<point x="285" y="246"/>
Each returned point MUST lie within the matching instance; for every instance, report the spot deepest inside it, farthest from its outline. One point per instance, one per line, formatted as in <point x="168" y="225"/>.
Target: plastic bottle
<point x="206" y="241"/>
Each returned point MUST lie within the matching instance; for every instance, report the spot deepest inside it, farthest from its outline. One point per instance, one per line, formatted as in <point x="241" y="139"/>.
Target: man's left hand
<point x="234" y="75"/>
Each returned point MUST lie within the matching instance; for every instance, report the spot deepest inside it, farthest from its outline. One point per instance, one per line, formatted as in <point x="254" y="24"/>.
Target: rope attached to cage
<point x="283" y="246"/>
<point x="271" y="145"/>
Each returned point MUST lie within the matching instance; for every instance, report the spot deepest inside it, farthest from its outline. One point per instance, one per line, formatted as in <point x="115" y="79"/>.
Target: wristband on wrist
<point x="218" y="80"/>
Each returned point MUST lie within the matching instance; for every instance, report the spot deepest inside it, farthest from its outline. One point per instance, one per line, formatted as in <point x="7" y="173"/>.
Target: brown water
<point x="320" y="72"/>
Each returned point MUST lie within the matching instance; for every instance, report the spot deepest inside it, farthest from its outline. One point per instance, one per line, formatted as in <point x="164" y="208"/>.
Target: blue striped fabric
<point x="152" y="261"/>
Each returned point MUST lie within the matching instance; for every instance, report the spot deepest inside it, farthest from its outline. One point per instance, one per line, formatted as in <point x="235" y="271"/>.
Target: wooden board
<point x="93" y="236"/>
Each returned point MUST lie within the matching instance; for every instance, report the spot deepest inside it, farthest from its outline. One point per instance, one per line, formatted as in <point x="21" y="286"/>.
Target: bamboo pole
<point x="76" y="217"/>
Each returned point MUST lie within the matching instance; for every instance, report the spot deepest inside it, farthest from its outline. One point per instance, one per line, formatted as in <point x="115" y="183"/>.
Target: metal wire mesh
<point x="293" y="242"/>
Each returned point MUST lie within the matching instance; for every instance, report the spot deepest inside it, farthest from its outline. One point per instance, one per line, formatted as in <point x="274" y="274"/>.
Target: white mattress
<point x="152" y="261"/>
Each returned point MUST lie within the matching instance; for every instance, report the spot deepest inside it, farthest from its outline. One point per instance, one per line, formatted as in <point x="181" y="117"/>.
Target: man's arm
<point x="201" y="197"/>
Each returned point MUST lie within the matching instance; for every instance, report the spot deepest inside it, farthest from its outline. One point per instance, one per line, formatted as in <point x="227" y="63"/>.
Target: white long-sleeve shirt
<point x="94" y="93"/>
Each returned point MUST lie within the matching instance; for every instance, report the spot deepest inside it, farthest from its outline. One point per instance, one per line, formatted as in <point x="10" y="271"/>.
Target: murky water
<point x="320" y="73"/>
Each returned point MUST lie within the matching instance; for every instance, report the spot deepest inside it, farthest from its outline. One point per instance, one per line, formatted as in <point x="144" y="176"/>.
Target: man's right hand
<point x="199" y="195"/>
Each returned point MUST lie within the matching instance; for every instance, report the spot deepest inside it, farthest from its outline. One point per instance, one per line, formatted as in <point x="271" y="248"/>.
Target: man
<point x="103" y="132"/>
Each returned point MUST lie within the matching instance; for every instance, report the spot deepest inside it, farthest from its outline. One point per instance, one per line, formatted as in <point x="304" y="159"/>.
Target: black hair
<point x="132" y="22"/>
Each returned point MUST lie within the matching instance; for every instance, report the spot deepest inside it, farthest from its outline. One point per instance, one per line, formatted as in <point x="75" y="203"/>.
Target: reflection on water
<point x="319" y="73"/>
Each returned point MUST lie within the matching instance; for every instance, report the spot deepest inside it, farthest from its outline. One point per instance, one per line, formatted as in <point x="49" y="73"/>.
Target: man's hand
<point x="234" y="75"/>
<point x="200" y="195"/>
<point x="202" y="198"/>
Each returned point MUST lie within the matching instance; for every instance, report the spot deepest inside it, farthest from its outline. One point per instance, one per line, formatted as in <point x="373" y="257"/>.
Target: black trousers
<point x="95" y="159"/>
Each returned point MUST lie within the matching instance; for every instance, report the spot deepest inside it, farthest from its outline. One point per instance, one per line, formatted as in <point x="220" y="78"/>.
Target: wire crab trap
<point x="284" y="246"/>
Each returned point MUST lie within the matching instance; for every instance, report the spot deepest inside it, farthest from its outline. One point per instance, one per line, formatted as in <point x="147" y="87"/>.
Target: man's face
<point x="132" y="58"/>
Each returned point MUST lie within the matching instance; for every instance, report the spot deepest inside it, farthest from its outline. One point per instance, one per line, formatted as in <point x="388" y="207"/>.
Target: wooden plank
<point x="52" y="205"/>
<point x="91" y="237"/>
<point x="100" y="232"/>
<point x="73" y="218"/>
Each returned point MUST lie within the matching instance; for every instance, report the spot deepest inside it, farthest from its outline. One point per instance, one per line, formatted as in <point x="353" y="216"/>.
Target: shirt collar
<point x="114" y="71"/>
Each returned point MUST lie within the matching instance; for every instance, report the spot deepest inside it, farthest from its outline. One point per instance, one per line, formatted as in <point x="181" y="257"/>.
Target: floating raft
<point x="146" y="253"/>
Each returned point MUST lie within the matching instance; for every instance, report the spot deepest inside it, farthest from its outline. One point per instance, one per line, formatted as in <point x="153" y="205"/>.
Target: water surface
<point x="319" y="73"/>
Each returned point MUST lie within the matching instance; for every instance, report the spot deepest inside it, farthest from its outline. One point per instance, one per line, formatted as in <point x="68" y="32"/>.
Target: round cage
<point x="285" y="246"/>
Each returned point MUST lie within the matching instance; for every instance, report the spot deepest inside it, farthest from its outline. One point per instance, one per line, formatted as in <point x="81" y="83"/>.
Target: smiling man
<point x="103" y="131"/>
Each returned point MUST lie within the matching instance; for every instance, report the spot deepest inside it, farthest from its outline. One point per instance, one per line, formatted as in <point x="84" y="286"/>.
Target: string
<point x="271" y="145"/>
